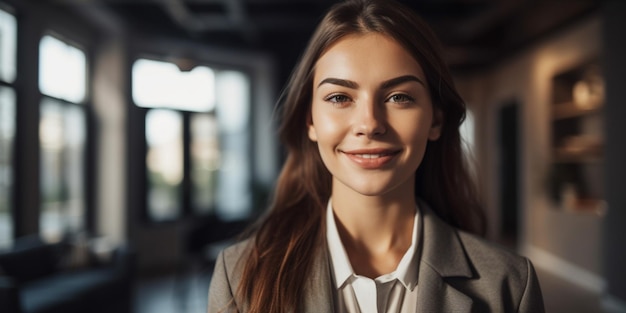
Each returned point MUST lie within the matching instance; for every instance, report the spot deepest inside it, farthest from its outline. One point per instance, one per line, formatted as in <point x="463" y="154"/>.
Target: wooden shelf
<point x="587" y="206"/>
<point x="578" y="159"/>
<point x="570" y="110"/>
<point x="576" y="171"/>
<point x="589" y="152"/>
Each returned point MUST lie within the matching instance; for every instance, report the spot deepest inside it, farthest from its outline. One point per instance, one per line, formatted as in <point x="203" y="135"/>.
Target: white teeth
<point x="369" y="156"/>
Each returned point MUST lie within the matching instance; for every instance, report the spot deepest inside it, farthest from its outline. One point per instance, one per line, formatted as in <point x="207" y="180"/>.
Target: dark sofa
<point x="33" y="279"/>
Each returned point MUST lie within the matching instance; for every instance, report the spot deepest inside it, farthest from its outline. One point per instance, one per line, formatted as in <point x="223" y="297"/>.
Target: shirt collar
<point x="406" y="272"/>
<point x="339" y="257"/>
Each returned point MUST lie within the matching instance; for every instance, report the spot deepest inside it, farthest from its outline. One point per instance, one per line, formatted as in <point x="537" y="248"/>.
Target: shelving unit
<point x="577" y="127"/>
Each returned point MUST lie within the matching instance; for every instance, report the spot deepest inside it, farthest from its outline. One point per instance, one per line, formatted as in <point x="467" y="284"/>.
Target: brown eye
<point x="400" y="98"/>
<point x="337" y="99"/>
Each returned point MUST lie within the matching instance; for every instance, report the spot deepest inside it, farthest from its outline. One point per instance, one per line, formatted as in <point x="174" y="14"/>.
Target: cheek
<point x="413" y="128"/>
<point x="327" y="128"/>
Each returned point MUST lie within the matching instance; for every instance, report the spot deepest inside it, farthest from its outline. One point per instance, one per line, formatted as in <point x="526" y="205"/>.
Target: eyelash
<point x="339" y="99"/>
<point x="334" y="99"/>
<point x="405" y="98"/>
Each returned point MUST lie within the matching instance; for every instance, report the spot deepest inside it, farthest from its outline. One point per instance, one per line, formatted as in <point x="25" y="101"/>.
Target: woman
<point x="373" y="209"/>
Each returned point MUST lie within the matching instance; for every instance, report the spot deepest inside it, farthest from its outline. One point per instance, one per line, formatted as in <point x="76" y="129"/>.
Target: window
<point x="7" y="137"/>
<point x="205" y="161"/>
<point x="468" y="142"/>
<point x="164" y="160"/>
<point x="206" y="112"/>
<point x="62" y="70"/>
<point x="8" y="42"/>
<point x="233" y="104"/>
<point x="62" y="136"/>
<point x="468" y="135"/>
<point x="162" y="85"/>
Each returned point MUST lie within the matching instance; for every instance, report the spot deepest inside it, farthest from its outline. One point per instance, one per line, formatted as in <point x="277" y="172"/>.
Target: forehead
<point x="366" y="56"/>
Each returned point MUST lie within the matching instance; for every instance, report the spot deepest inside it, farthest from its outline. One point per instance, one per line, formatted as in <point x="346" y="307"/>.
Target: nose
<point x="369" y="119"/>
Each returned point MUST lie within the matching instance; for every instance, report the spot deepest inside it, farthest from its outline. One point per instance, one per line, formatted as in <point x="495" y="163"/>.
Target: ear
<point x="435" y="129"/>
<point x="311" y="129"/>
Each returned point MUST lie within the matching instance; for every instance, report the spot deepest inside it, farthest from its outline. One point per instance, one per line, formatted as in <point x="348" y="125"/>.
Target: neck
<point x="376" y="231"/>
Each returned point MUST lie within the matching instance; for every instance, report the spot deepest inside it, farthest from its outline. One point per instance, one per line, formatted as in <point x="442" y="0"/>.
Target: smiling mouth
<point x="371" y="159"/>
<point x="371" y="156"/>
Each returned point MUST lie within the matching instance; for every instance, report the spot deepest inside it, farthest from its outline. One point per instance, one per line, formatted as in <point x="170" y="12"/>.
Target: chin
<point x="375" y="186"/>
<point x="372" y="191"/>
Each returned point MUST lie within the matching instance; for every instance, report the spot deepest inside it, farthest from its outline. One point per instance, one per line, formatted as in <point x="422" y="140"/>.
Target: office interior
<point x="140" y="136"/>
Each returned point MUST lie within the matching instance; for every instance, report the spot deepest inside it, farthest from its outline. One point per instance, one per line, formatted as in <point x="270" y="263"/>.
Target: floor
<point x="187" y="293"/>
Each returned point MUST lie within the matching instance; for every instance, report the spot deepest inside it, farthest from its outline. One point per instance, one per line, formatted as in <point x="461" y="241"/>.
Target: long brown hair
<point x="292" y="230"/>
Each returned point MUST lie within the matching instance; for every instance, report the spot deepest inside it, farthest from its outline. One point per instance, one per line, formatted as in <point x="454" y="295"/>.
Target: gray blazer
<point x="458" y="272"/>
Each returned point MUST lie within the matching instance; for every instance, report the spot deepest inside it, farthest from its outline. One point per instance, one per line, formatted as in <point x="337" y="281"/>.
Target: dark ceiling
<point x="475" y="33"/>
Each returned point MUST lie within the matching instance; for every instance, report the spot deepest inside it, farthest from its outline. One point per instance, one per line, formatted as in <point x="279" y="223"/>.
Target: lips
<point x="371" y="158"/>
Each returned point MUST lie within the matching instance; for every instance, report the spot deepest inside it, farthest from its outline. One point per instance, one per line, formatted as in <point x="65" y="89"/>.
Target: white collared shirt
<point x="395" y="292"/>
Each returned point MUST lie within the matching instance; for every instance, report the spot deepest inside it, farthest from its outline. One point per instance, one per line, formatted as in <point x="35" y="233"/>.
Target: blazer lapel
<point x="435" y="295"/>
<point x="320" y="293"/>
<point x="442" y="257"/>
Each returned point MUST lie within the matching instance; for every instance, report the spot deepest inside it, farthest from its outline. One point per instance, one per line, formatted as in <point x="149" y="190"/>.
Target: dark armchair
<point x="33" y="279"/>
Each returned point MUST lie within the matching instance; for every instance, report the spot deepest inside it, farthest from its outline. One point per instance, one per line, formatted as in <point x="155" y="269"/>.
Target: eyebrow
<point x="385" y="85"/>
<point x="401" y="80"/>
<point x="341" y="82"/>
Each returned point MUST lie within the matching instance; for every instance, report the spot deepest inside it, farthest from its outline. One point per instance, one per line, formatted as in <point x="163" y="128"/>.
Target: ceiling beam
<point x="235" y="17"/>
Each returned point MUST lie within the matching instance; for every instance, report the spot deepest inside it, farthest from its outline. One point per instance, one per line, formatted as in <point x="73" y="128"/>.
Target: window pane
<point x="234" y="101"/>
<point x="163" y="85"/>
<point x="7" y="137"/>
<point x="205" y="158"/>
<point x="62" y="70"/>
<point x="467" y="131"/>
<point x="164" y="134"/>
<point x="234" y="196"/>
<point x="8" y="43"/>
<point x="62" y="131"/>
<point x="468" y="136"/>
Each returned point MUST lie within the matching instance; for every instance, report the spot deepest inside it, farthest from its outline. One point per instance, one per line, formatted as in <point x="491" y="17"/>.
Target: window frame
<point x="11" y="194"/>
<point x="34" y="20"/>
<point x="77" y="40"/>
<point x="139" y="113"/>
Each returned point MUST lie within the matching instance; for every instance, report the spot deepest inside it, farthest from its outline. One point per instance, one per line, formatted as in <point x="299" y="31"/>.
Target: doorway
<point x="508" y="142"/>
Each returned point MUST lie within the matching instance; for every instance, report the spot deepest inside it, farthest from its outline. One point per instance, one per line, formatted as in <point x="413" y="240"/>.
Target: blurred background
<point x="138" y="137"/>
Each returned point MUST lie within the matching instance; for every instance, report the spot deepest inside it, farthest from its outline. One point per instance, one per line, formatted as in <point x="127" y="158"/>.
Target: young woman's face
<point x="371" y="115"/>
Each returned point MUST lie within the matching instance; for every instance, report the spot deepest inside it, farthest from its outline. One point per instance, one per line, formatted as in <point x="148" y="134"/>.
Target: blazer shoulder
<point x="226" y="278"/>
<point x="491" y="256"/>
<point x="233" y="258"/>
<point x="494" y="265"/>
<point x="236" y="251"/>
<point x="468" y="253"/>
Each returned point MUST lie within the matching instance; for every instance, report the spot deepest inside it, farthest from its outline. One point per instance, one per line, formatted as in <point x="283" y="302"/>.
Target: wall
<point x="110" y="108"/>
<point x="614" y="230"/>
<point x="568" y="244"/>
